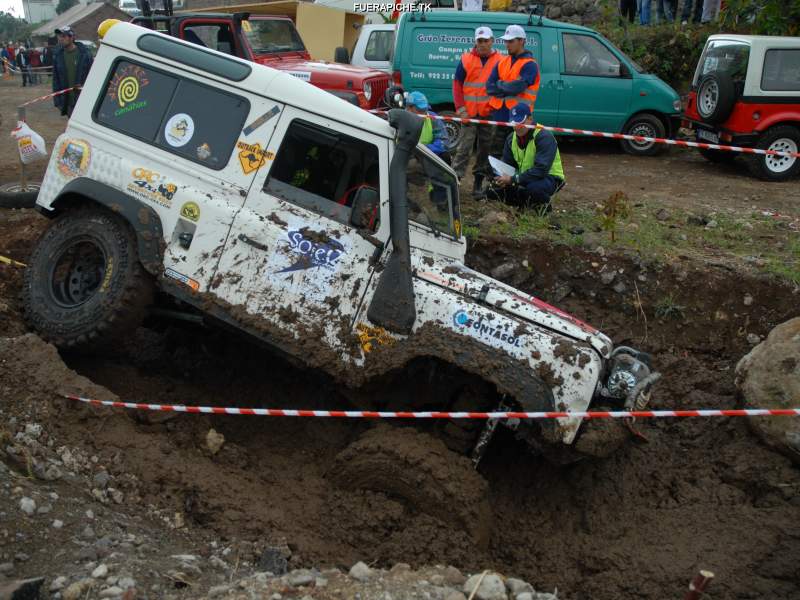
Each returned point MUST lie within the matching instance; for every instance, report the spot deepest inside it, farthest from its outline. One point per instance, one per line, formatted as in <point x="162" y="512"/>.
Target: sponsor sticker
<point x="203" y="151"/>
<point x="179" y="130"/>
<point x="152" y="186"/>
<point x="190" y="210"/>
<point x="483" y="329"/>
<point x="369" y="337"/>
<point x="312" y="250"/>
<point x="192" y="283"/>
<point x="252" y="157"/>
<point x="261" y="120"/>
<point x="73" y="158"/>
<point x="125" y="87"/>
<point x="304" y="75"/>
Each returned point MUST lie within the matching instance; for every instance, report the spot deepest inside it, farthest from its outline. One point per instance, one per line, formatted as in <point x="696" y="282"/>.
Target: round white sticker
<point x="179" y="130"/>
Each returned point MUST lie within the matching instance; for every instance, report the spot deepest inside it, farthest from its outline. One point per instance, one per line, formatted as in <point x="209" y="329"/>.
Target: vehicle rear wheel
<point x="644" y="125"/>
<point x="419" y="470"/>
<point x="453" y="131"/>
<point x="84" y="285"/>
<point x="715" y="97"/>
<point x="717" y="156"/>
<point x="783" y="138"/>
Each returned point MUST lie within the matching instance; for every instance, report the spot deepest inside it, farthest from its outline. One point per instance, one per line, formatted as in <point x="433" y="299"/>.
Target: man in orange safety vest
<point x="515" y="79"/>
<point x="472" y="100"/>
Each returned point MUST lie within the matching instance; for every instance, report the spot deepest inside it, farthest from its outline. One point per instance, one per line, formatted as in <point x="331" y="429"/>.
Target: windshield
<point x="271" y="35"/>
<point x="433" y="195"/>
<point x="724" y="56"/>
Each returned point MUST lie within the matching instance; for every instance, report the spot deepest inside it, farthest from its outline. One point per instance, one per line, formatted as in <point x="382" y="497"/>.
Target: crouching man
<point x="534" y="155"/>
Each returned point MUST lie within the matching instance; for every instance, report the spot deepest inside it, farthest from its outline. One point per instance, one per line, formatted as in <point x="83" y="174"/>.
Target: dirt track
<point x="697" y="494"/>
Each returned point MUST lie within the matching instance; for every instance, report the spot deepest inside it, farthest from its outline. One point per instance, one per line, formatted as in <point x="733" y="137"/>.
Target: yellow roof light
<point x="103" y="28"/>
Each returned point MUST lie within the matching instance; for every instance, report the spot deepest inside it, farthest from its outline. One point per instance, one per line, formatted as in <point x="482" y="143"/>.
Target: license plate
<point x="708" y="136"/>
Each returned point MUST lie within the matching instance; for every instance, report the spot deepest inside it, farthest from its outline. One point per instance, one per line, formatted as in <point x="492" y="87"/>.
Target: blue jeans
<point x="666" y="11"/>
<point x="644" y="11"/>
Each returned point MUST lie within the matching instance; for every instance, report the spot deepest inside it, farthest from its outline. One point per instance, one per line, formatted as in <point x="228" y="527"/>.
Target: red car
<point x="746" y="92"/>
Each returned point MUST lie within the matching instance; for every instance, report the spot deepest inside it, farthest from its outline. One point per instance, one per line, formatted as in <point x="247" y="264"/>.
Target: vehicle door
<point x="595" y="89"/>
<point x="295" y="261"/>
<point x="542" y="43"/>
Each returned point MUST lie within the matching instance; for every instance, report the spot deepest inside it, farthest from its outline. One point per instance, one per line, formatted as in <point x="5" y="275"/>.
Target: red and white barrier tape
<point x="14" y="69"/>
<point x="616" y="136"/>
<point x="368" y="414"/>
<point x="53" y="95"/>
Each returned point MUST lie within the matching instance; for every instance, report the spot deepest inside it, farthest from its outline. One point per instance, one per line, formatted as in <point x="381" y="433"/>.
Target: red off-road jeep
<point x="746" y="92"/>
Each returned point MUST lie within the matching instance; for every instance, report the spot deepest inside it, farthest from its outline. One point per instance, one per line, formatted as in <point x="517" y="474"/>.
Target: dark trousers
<point x="536" y="193"/>
<point x="688" y="14"/>
<point x="627" y="9"/>
<point x="470" y="134"/>
<point x="26" y="76"/>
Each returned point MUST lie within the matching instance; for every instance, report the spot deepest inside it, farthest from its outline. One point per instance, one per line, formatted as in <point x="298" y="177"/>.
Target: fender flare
<point x="144" y="221"/>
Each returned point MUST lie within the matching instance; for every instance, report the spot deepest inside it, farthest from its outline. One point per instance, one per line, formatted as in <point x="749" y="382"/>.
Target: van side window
<point x="162" y="109"/>
<point x="379" y="46"/>
<point x="781" y="71"/>
<point x="585" y="55"/>
<point x="324" y="170"/>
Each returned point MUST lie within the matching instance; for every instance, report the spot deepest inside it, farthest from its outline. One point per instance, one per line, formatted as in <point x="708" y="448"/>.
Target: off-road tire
<point x="454" y="131"/>
<point x="419" y="470"/>
<point x="12" y="195"/>
<point x="92" y="316"/>
<point x="759" y="164"/>
<point x="645" y="125"/>
<point x="716" y="95"/>
<point x="719" y="157"/>
<point x="461" y="435"/>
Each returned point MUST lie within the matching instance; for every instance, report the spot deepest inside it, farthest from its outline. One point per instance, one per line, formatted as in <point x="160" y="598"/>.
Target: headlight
<point x="367" y="90"/>
<point x="677" y="105"/>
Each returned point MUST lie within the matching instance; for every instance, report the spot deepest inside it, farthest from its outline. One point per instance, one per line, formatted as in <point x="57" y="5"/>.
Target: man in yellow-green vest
<point x="534" y="155"/>
<point x="433" y="135"/>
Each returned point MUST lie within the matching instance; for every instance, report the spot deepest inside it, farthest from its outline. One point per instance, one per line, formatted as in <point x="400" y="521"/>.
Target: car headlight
<point x="677" y="105"/>
<point x="367" y="90"/>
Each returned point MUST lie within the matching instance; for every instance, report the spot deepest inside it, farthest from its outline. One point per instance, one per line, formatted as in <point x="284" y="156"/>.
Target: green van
<point x="586" y="82"/>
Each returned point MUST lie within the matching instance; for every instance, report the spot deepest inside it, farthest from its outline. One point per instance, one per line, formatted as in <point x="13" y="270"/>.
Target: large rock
<point x="769" y="377"/>
<point x="491" y="587"/>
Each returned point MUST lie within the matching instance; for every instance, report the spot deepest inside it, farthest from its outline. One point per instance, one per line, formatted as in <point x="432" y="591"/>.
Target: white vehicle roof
<point x="263" y="80"/>
<point x="772" y="41"/>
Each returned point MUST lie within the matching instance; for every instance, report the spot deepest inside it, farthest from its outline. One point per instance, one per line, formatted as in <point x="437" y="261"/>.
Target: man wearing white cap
<point x="515" y="79"/>
<point x="472" y="100"/>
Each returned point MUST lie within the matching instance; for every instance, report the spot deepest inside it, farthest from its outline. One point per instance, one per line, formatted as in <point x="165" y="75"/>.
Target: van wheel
<point x="715" y="97"/>
<point x="453" y="130"/>
<point x="13" y="195"/>
<point x="84" y="285"/>
<point x="783" y="138"/>
<point x="645" y="125"/>
<point x="420" y="471"/>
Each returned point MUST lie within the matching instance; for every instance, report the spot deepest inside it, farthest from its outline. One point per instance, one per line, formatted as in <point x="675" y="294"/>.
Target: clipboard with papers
<point x="501" y="168"/>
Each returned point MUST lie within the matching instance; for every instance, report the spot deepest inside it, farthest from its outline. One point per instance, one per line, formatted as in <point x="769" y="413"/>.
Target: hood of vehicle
<point x="658" y="83"/>
<point x="462" y="280"/>
<point x="322" y="67"/>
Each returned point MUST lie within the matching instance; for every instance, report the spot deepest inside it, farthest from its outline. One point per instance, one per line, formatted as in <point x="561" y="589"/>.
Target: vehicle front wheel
<point x="783" y="138"/>
<point x="644" y="125"/>
<point x="453" y="129"/>
<point x="84" y="285"/>
<point x="14" y="195"/>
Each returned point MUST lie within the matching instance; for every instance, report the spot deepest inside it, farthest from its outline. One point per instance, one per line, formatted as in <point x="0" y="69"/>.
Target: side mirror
<point x="365" y="208"/>
<point x="395" y="97"/>
<point x="624" y="71"/>
<point x="341" y="55"/>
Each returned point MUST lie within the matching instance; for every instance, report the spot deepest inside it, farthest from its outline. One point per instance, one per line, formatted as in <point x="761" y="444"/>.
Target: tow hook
<point x="488" y="432"/>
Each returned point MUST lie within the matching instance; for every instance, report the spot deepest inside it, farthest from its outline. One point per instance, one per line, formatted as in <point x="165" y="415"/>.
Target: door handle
<point x="559" y="84"/>
<point x="251" y="242"/>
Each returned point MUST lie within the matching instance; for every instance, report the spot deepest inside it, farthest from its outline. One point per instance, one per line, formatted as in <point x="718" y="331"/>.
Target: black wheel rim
<point x="77" y="272"/>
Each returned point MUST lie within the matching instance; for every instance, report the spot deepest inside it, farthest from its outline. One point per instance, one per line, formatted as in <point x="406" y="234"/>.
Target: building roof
<point x="72" y="17"/>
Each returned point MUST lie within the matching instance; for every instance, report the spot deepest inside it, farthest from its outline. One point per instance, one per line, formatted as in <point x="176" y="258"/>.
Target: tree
<point x="64" y="5"/>
<point x="764" y="17"/>
<point x="12" y="28"/>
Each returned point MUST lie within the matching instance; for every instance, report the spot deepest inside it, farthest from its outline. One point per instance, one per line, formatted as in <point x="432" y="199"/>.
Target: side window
<point x="324" y="170"/>
<point x="781" y="71"/>
<point x="217" y="36"/>
<point x="379" y="46"/>
<point x="586" y="55"/>
<point x="432" y="195"/>
<point x="162" y="110"/>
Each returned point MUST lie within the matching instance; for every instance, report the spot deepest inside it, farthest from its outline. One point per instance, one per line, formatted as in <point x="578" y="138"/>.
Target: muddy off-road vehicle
<point x="263" y="203"/>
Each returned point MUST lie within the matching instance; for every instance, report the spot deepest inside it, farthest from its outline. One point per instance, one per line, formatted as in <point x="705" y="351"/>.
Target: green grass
<point x="754" y="240"/>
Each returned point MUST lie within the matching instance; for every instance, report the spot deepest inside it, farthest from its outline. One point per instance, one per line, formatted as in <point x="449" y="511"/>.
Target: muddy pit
<point x="690" y="494"/>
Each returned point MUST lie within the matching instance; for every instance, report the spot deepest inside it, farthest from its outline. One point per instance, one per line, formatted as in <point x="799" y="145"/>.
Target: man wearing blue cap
<point x="433" y="135"/>
<point x="534" y="155"/>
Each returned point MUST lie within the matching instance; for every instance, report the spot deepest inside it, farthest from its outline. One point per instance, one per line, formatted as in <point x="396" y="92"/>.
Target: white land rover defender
<point x="266" y="204"/>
